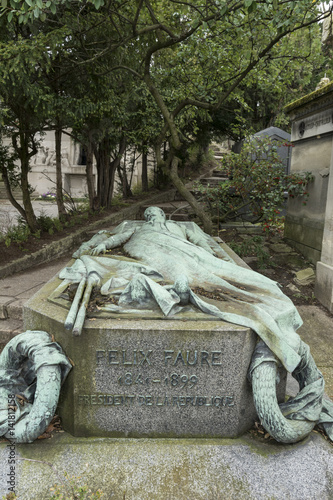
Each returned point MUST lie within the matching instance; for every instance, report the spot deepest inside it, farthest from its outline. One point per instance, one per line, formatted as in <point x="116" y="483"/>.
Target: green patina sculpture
<point x="184" y="257"/>
<point x="166" y="250"/>
<point x="32" y="370"/>
<point x="165" y="267"/>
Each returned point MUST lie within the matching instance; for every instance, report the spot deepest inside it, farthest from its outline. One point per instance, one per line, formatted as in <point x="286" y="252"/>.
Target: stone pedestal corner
<point x="156" y="378"/>
<point x="324" y="285"/>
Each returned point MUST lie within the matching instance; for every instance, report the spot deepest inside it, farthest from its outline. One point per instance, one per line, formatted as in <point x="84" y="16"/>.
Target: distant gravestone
<point x="275" y="134"/>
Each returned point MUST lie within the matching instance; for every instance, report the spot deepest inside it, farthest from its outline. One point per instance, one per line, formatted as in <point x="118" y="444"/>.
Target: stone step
<point x="178" y="197"/>
<point x="177" y="211"/>
<point x="212" y="181"/>
<point x="170" y="207"/>
<point x="9" y="328"/>
<point x="219" y="173"/>
<point x="180" y="217"/>
<point x="11" y="308"/>
<point x="184" y="214"/>
<point x="243" y="227"/>
<point x="15" y="309"/>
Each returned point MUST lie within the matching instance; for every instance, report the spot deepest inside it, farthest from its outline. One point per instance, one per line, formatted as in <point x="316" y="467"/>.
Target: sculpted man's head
<point x="154" y="214"/>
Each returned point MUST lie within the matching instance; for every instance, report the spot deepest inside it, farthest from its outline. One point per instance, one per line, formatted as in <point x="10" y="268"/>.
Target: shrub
<point x="256" y="185"/>
<point x="252" y="246"/>
<point x="16" y="234"/>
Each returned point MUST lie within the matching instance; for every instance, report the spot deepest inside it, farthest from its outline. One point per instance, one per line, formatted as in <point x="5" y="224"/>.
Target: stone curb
<point x="59" y="248"/>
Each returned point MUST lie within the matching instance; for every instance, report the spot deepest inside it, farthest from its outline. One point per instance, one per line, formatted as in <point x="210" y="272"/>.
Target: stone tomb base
<point x="151" y="377"/>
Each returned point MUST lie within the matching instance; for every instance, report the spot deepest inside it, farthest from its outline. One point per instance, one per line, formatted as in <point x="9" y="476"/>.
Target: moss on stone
<point x="309" y="97"/>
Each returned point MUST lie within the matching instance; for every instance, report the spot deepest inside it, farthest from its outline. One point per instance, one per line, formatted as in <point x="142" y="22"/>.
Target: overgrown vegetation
<point x="20" y="232"/>
<point x="149" y="76"/>
<point x="252" y="246"/>
<point x="256" y="184"/>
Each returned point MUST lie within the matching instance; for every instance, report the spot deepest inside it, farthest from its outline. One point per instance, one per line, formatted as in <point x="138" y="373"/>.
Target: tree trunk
<point x="122" y="172"/>
<point x="112" y="173"/>
<point x="123" y="176"/>
<point x="10" y="194"/>
<point x="106" y="170"/>
<point x="102" y="155"/>
<point x="90" y="176"/>
<point x="59" y="187"/>
<point x="113" y="166"/>
<point x="28" y="208"/>
<point x="24" y="156"/>
<point x="144" y="173"/>
<point x="105" y="159"/>
<point x="188" y="196"/>
<point x="99" y="175"/>
<point x="162" y="177"/>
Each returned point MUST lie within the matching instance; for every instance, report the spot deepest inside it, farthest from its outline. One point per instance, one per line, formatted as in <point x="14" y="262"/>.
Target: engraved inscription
<point x="318" y="125"/>
<point x="106" y="399"/>
<point x="192" y="358"/>
<point x="174" y="379"/>
<point x="140" y="357"/>
<point x="222" y="401"/>
<point x="122" y="357"/>
<point x="180" y="371"/>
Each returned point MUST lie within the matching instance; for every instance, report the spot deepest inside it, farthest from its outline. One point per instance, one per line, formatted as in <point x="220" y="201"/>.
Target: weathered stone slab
<point x="312" y="130"/>
<point x="151" y="378"/>
<point x="198" y="469"/>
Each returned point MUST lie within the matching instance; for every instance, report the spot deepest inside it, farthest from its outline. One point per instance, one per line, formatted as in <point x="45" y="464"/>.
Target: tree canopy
<point x="152" y="71"/>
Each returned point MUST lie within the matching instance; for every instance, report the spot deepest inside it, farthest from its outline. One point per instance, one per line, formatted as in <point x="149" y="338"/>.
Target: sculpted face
<point x="154" y="214"/>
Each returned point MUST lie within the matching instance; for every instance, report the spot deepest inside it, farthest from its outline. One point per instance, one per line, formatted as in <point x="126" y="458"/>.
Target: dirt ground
<point x="16" y="250"/>
<point x="270" y="254"/>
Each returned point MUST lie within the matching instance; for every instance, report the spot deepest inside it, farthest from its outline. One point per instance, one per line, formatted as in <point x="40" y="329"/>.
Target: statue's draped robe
<point x="251" y="299"/>
<point x="168" y="251"/>
<point x="248" y="298"/>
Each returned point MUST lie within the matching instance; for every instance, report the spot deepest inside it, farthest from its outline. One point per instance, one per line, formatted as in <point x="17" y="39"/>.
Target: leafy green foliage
<point x="293" y="68"/>
<point x="27" y="11"/>
<point x="252" y="246"/>
<point x="16" y="234"/>
<point x="20" y="232"/>
<point x="256" y="185"/>
<point x="7" y="164"/>
<point x="146" y="73"/>
<point x="26" y="101"/>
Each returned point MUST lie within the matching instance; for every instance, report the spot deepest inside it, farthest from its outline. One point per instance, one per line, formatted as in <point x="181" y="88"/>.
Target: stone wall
<point x="309" y="227"/>
<point x="312" y="134"/>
